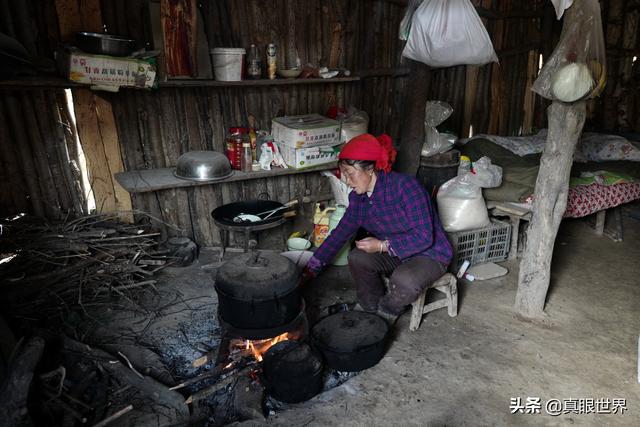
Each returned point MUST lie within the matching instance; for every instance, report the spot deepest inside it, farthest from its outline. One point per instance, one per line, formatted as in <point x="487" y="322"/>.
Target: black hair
<point x="364" y="165"/>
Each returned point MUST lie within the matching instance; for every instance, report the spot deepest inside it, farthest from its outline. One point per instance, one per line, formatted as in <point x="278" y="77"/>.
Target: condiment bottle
<point x="271" y="61"/>
<point x="247" y="159"/>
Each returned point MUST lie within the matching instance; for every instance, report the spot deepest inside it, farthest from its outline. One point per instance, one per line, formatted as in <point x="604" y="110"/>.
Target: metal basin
<point x="203" y="166"/>
<point x="105" y="44"/>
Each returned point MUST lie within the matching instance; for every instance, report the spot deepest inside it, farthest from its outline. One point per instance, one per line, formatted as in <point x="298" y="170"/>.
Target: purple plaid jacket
<point x="400" y="211"/>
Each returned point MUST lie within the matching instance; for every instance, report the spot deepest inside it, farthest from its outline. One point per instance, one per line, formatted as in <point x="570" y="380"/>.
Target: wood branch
<point x="201" y="394"/>
<point x="550" y="201"/>
<point x="114" y="416"/>
<point x="152" y="389"/>
<point x="15" y="389"/>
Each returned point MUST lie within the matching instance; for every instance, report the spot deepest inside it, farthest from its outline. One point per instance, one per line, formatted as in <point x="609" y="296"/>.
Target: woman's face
<point x="360" y="180"/>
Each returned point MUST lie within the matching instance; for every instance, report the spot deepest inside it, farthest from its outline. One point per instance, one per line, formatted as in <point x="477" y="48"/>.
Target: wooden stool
<point x="447" y="284"/>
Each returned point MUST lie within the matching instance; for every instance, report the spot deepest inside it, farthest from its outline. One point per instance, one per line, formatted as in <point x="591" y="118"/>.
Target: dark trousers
<point x="406" y="282"/>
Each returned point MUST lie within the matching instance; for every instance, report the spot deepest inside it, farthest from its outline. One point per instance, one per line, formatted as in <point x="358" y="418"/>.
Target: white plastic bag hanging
<point x="577" y="67"/>
<point x="448" y="32"/>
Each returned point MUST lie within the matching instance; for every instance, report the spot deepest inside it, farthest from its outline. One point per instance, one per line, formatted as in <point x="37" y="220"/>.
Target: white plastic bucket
<point x="227" y="63"/>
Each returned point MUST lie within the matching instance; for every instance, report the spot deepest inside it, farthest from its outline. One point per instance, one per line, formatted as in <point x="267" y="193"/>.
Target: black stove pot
<point x="292" y="371"/>
<point x="351" y="340"/>
<point x="258" y="291"/>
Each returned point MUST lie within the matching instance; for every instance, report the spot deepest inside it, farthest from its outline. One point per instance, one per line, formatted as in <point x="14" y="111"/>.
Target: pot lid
<point x="349" y="331"/>
<point x="257" y="276"/>
<point x="289" y="357"/>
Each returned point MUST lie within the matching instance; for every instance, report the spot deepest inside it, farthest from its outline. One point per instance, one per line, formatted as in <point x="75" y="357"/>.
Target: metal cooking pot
<point x="351" y="340"/>
<point x="292" y="371"/>
<point x="105" y="44"/>
<point x="258" y="291"/>
<point x="203" y="166"/>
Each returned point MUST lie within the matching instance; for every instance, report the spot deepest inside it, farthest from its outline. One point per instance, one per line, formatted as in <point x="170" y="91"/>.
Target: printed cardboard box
<point x="306" y="157"/>
<point x="310" y="130"/>
<point x="104" y="70"/>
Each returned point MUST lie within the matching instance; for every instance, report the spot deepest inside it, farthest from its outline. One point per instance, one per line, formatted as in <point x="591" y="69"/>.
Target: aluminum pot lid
<point x="349" y="331"/>
<point x="257" y="276"/>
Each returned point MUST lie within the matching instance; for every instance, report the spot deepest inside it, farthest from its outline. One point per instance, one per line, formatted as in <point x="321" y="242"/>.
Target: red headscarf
<point x="368" y="147"/>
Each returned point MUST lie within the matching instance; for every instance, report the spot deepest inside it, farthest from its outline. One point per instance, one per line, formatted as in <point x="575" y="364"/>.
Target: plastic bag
<point x="461" y="205"/>
<point x="435" y="113"/>
<point x="580" y="49"/>
<point x="485" y="174"/>
<point x="354" y="122"/>
<point x="405" y="24"/>
<point x="339" y="188"/>
<point x="560" y="6"/>
<point x="448" y="32"/>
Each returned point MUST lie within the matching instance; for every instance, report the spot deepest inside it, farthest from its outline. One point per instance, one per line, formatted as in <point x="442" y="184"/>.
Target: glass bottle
<point x="254" y="65"/>
<point x="247" y="159"/>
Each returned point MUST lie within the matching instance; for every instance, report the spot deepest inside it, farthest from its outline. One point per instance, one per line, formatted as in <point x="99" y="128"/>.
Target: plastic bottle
<point x="336" y="216"/>
<point x="321" y="224"/>
<point x="271" y="61"/>
<point x="247" y="159"/>
<point x="464" y="166"/>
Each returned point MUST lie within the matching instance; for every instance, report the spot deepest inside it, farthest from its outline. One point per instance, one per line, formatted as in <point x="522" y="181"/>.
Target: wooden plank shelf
<point x="261" y="82"/>
<point x="145" y="180"/>
<point x="56" y="82"/>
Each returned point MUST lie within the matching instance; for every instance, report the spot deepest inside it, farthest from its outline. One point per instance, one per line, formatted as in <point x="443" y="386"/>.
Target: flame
<point x="257" y="348"/>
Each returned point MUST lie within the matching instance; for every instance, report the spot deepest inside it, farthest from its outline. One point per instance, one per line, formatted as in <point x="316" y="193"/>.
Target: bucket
<point x="298" y="244"/>
<point x="438" y="169"/>
<point x="228" y="63"/>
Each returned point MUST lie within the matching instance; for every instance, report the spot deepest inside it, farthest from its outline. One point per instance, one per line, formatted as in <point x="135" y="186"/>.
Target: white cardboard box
<point x="309" y="130"/>
<point x="306" y="157"/>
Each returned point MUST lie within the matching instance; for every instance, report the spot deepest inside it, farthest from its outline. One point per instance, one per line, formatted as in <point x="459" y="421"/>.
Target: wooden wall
<point x="152" y="128"/>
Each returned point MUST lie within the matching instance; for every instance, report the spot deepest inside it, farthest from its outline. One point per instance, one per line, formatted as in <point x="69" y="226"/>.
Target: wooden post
<point x="550" y="201"/>
<point x="412" y="136"/>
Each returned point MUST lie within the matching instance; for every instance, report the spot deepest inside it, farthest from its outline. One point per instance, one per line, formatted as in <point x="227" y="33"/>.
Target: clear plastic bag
<point x="355" y="122"/>
<point x="435" y="113"/>
<point x="448" y="32"/>
<point x="577" y="67"/>
<point x="485" y="174"/>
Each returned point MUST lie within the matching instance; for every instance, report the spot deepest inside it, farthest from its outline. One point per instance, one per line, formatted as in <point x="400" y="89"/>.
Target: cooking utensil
<point x="258" y="290"/>
<point x="292" y="371"/>
<point x="258" y="217"/>
<point x="351" y="340"/>
<point x="105" y="44"/>
<point x="203" y="166"/>
<point x="226" y="214"/>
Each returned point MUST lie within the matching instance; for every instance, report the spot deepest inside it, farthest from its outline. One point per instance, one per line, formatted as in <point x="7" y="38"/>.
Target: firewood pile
<point x="49" y="270"/>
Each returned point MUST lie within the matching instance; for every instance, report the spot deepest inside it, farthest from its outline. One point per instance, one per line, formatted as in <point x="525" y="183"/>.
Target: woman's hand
<point x="370" y="245"/>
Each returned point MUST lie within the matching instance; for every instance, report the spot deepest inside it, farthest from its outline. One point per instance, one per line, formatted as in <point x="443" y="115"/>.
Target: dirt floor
<point x="465" y="370"/>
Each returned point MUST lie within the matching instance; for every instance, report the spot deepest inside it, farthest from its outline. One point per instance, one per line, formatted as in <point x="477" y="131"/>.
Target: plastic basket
<point x="482" y="245"/>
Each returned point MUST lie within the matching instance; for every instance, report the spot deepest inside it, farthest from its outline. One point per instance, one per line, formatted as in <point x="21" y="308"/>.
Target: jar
<point x="235" y="138"/>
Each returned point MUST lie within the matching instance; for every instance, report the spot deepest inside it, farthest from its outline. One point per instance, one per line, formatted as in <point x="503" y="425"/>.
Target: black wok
<point x="226" y="213"/>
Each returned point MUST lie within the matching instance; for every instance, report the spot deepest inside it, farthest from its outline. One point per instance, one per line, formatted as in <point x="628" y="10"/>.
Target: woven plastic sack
<point x="448" y="32"/>
<point x="580" y="54"/>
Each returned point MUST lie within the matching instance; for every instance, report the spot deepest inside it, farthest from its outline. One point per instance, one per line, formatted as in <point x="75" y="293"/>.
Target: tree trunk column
<point x="550" y="201"/>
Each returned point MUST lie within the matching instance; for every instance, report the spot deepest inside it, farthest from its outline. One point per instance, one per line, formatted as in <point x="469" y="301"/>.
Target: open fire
<point x="257" y="348"/>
